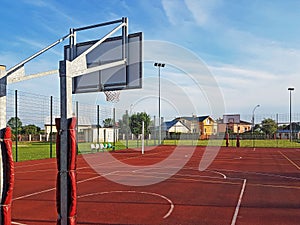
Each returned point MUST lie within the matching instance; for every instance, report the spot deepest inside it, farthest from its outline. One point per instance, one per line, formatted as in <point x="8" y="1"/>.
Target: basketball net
<point x="112" y="96"/>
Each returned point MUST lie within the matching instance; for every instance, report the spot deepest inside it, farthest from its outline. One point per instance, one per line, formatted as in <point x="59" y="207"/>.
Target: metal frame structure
<point x="106" y="69"/>
<point x="17" y="74"/>
<point x="68" y="69"/>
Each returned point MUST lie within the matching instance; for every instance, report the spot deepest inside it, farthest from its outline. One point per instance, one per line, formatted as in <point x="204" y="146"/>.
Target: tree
<point x="124" y="124"/>
<point x="15" y="124"/>
<point x="135" y="123"/>
<point x="268" y="126"/>
<point x="30" y="129"/>
<point x="108" y="123"/>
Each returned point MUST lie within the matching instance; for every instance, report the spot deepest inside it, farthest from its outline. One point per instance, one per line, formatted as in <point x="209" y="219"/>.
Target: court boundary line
<point x="262" y="174"/>
<point x="237" y="208"/>
<point x="291" y="161"/>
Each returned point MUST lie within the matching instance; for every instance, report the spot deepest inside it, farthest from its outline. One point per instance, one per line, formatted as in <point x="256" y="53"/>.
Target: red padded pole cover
<point x="57" y="124"/>
<point x="72" y="198"/>
<point x="8" y="177"/>
<point x="72" y="158"/>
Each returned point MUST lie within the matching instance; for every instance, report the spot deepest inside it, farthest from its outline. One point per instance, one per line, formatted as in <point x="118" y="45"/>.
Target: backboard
<point x="233" y="118"/>
<point x="118" y="77"/>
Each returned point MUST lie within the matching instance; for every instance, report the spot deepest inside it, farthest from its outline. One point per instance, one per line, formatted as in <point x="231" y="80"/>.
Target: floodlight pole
<point x="253" y="111"/>
<point x="159" y="65"/>
<point x="291" y="89"/>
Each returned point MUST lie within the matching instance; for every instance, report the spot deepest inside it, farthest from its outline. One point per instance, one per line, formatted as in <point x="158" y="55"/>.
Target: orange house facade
<point x="241" y="127"/>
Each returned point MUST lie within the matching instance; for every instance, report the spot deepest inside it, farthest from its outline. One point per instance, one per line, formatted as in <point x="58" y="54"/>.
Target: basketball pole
<point x="63" y="214"/>
<point x="66" y="113"/>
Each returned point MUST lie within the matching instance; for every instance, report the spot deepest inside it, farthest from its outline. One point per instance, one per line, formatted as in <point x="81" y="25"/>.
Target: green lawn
<point x="33" y="150"/>
<point x="243" y="143"/>
<point x="41" y="150"/>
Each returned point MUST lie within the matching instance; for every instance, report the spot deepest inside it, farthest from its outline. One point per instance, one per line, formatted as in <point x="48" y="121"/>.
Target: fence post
<point x="127" y="127"/>
<point x="51" y="124"/>
<point x="16" y="123"/>
<point x="277" y="122"/>
<point x="114" y="128"/>
<point x="77" y="124"/>
<point x="98" y="124"/>
<point x="162" y="137"/>
<point x="154" y="122"/>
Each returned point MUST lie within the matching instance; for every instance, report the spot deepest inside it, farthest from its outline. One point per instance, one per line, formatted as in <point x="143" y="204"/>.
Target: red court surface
<point x="242" y="186"/>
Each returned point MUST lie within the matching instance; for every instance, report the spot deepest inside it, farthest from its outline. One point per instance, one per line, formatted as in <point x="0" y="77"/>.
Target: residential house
<point x="204" y="125"/>
<point x="235" y="128"/>
<point x="285" y="132"/>
<point x="175" y="127"/>
<point x="87" y="132"/>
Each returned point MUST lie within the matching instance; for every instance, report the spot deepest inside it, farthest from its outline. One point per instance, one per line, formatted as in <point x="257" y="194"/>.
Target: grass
<point x="243" y="143"/>
<point x="32" y="151"/>
<point x="41" y="150"/>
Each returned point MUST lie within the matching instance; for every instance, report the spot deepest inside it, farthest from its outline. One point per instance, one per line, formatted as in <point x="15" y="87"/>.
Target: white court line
<point x="18" y="223"/>
<point x="96" y="177"/>
<point x="32" y="171"/>
<point x="52" y="189"/>
<point x="217" y="172"/>
<point x="148" y="170"/>
<point x="35" y="193"/>
<point x="291" y="161"/>
<point x="263" y="174"/>
<point x="237" y="208"/>
<point x="31" y="165"/>
<point x="136" y="192"/>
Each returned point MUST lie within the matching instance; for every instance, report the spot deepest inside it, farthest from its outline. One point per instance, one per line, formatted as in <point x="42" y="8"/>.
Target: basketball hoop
<point x="112" y="96"/>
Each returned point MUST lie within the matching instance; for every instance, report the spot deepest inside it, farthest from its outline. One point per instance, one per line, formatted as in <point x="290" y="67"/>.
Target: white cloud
<point x="176" y="12"/>
<point x="202" y="10"/>
<point x="258" y="52"/>
<point x="51" y="6"/>
<point x="244" y="88"/>
<point x="37" y="45"/>
<point x="190" y="12"/>
<point x="230" y="73"/>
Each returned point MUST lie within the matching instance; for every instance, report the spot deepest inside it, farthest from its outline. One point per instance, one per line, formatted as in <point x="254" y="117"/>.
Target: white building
<point x="86" y="131"/>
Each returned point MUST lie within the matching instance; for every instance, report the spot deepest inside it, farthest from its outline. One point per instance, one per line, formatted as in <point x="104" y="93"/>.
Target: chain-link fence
<point x="32" y="118"/>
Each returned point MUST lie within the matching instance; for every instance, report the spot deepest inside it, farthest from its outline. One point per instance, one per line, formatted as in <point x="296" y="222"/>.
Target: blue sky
<point x="251" y="48"/>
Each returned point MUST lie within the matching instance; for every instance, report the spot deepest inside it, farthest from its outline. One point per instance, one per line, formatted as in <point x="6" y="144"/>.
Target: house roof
<point x="242" y="122"/>
<point x="287" y="131"/>
<point x="168" y="124"/>
<point x="245" y="122"/>
<point x="295" y="127"/>
<point x="192" y="118"/>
